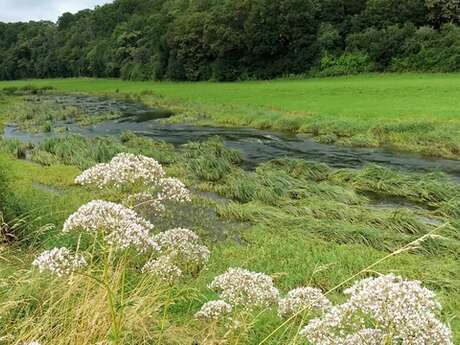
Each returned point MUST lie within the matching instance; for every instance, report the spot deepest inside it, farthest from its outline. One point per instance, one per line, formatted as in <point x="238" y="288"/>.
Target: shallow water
<point x="135" y="111"/>
<point x="256" y="145"/>
<point x="420" y="211"/>
<point x="46" y="188"/>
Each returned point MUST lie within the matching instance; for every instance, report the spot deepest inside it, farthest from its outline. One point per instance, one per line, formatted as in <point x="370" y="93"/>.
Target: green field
<point x="303" y="223"/>
<point x="409" y="112"/>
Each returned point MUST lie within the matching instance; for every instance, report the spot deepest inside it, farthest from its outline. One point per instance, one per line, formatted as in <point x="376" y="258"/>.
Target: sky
<point x="26" y="10"/>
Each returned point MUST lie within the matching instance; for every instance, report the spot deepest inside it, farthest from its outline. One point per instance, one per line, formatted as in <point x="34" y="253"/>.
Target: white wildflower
<point x="173" y="189"/>
<point x="32" y="343"/>
<point x="403" y="311"/>
<point x="388" y="292"/>
<point x="239" y="286"/>
<point x="59" y="261"/>
<point x="147" y="201"/>
<point x="121" y="226"/>
<point x="365" y="336"/>
<point x="327" y="329"/>
<point x="214" y="310"/>
<point x="163" y="268"/>
<point x="183" y="246"/>
<point x="304" y="298"/>
<point x="402" y="305"/>
<point x="124" y="168"/>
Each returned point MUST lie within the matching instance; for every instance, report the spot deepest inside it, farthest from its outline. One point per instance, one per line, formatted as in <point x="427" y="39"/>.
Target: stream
<point x="256" y="146"/>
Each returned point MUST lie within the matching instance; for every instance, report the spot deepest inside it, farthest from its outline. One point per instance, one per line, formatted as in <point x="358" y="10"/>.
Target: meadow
<point x="407" y="112"/>
<point x="301" y="223"/>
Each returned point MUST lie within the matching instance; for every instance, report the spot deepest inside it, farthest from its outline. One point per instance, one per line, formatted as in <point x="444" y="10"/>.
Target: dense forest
<point x="236" y="39"/>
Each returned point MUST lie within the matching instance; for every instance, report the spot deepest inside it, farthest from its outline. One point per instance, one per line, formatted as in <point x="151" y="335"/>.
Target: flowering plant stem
<point x="111" y="300"/>
<point x="116" y="314"/>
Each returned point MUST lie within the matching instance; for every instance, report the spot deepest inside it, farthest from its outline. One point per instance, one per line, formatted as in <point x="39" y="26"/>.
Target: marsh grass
<point x="210" y="160"/>
<point x="14" y="147"/>
<point x="79" y="151"/>
<point x="85" y="152"/>
<point x="333" y="203"/>
<point x="40" y="113"/>
<point x="157" y="149"/>
<point x="27" y="89"/>
<point x="428" y="188"/>
<point x="302" y="222"/>
<point x="285" y="191"/>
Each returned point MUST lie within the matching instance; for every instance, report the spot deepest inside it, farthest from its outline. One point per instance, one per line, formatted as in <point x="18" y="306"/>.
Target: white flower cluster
<point x="146" y="200"/>
<point x="59" y="261"/>
<point x="124" y="168"/>
<point x="121" y="226"/>
<point x="328" y="329"/>
<point x="214" y="310"/>
<point x="170" y="189"/>
<point x="403" y="312"/>
<point x="163" y="268"/>
<point x="32" y="343"/>
<point x="366" y="336"/>
<point x="184" y="247"/>
<point x="239" y="286"/>
<point x="304" y="298"/>
<point x="173" y="189"/>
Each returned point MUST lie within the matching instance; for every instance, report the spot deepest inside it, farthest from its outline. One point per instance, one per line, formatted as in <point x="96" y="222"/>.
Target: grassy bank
<point x="410" y="112"/>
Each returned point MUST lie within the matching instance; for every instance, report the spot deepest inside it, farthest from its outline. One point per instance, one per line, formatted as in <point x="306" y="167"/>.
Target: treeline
<point x="236" y="39"/>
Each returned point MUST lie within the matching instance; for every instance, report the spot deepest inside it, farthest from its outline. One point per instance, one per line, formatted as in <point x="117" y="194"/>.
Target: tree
<point x="234" y="39"/>
<point x="443" y="11"/>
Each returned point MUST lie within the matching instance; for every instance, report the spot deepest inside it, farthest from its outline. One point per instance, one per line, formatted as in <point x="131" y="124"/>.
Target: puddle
<point x="428" y="220"/>
<point x="393" y="204"/>
<point x="46" y="188"/>
<point x="213" y="196"/>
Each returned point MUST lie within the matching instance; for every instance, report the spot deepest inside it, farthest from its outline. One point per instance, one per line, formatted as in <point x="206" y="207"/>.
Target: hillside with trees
<point x="236" y="39"/>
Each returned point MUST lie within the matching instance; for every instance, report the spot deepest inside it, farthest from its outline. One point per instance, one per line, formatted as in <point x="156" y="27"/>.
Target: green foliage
<point x="431" y="50"/>
<point x="441" y="11"/>
<point x="231" y="40"/>
<point x="40" y="114"/>
<point x="345" y="64"/>
<point x="381" y="45"/>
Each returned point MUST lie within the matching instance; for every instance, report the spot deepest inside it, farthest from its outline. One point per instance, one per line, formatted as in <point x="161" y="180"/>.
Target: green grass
<point x="303" y="223"/>
<point x="411" y="112"/>
<point x="372" y="96"/>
